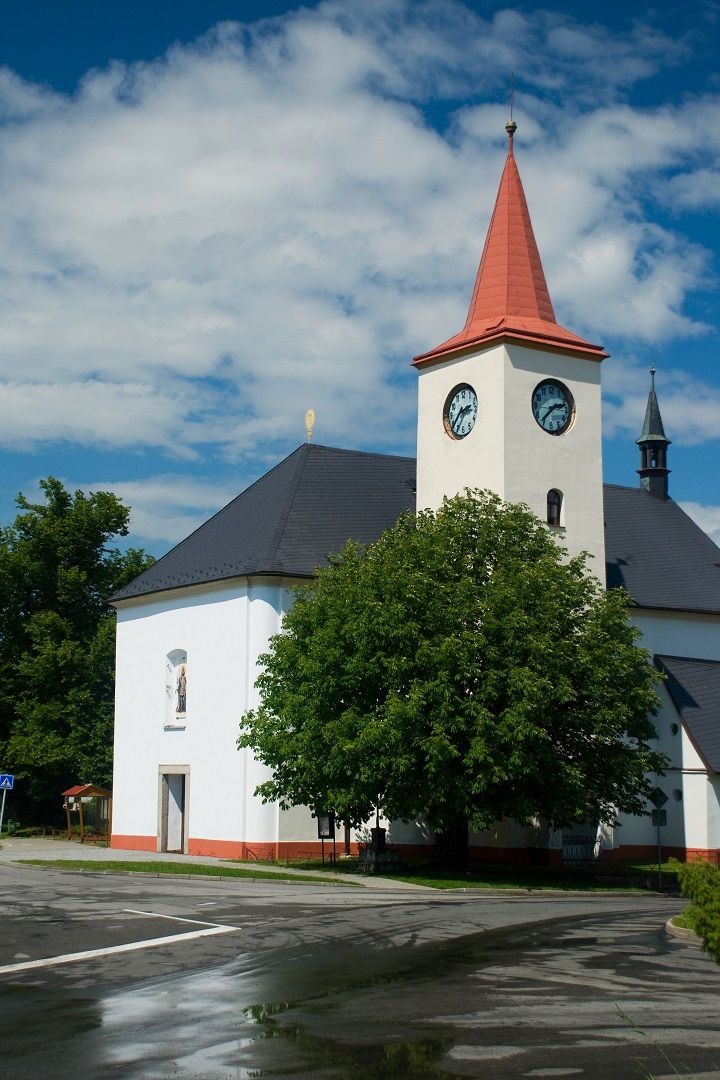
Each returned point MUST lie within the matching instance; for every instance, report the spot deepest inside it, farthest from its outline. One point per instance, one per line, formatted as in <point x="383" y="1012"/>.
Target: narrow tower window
<point x="554" y="507"/>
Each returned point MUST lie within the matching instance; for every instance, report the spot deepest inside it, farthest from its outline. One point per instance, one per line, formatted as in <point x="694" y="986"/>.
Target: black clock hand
<point x="460" y="416"/>
<point x="555" y="405"/>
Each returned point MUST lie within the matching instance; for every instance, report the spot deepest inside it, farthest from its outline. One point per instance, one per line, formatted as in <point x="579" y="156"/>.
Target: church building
<point x="511" y="403"/>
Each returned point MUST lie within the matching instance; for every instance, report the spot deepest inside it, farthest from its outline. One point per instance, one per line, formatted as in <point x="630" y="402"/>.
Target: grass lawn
<point x="534" y="879"/>
<point x="448" y="879"/>
<point x="492" y="877"/>
<point x="178" y="868"/>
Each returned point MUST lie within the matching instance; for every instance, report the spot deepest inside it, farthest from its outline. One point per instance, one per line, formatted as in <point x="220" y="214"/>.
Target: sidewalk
<point x="14" y="849"/>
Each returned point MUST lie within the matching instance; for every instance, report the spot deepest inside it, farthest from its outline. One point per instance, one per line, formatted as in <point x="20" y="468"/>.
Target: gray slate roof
<point x="293" y="517"/>
<point x="694" y="686"/>
<point x="289" y="520"/>
<point x="656" y="552"/>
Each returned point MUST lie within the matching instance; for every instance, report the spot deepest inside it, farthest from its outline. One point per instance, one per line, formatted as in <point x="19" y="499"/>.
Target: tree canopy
<point x="458" y="668"/>
<point x="57" y="640"/>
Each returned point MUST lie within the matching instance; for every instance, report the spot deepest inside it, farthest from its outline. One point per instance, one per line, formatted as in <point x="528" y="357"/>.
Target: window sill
<point x="180" y="726"/>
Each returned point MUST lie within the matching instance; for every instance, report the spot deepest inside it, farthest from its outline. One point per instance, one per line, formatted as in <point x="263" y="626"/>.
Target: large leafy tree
<point x="462" y="669"/>
<point x="57" y="655"/>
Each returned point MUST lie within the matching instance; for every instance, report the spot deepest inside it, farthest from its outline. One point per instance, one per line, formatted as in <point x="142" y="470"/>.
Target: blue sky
<point x="214" y="216"/>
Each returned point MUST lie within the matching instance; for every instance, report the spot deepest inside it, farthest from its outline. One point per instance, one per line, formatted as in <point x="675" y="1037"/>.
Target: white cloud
<point x="707" y="517"/>
<point x="196" y="250"/>
<point x="687" y="404"/>
<point x="698" y="190"/>
<point x="166" y="507"/>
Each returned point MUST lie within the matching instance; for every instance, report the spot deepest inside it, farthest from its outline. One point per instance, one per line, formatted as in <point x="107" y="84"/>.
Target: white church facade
<point x="512" y="403"/>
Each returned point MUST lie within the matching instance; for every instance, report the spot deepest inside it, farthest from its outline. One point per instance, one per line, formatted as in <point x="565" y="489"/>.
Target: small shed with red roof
<point x="93" y="805"/>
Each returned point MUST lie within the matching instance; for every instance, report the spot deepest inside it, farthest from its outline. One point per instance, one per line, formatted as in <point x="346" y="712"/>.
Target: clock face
<point x="553" y="407"/>
<point x="460" y="412"/>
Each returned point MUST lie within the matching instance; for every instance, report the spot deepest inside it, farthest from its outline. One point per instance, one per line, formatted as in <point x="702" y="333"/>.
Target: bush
<point x="700" y="882"/>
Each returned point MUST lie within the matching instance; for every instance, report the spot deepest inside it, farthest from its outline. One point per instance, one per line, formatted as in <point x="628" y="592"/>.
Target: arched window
<point x="554" y="507"/>
<point x="176" y="679"/>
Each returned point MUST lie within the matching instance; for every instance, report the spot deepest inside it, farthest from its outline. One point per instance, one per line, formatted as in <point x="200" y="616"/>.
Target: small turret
<point x="653" y="443"/>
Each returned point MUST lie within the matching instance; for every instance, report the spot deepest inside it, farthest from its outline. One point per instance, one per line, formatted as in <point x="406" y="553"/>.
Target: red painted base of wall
<point x="291" y="850"/>
<point x="236" y="849"/>
<point x="298" y="850"/>
<point x="649" y="852"/>
<point x="133" y="843"/>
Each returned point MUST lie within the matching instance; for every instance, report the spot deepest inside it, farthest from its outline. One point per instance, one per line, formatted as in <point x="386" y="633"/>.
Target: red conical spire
<point x="511" y="298"/>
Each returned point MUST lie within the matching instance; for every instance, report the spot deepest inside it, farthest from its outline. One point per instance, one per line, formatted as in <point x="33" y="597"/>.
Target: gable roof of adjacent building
<point x="289" y="521"/>
<point x="658" y="554"/>
<point x="694" y="686"/>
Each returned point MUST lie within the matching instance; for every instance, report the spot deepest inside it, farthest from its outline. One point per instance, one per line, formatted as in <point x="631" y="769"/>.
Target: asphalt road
<point x="215" y="979"/>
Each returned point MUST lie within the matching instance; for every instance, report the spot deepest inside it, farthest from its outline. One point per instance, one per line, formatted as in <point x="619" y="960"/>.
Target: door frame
<point x="163" y="793"/>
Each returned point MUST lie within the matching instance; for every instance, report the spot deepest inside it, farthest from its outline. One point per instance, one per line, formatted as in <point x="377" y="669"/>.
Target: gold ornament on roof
<point x="309" y="423"/>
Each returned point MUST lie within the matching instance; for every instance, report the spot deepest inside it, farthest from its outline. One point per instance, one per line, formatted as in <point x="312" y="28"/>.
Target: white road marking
<point x="210" y="930"/>
<point x="175" y="918"/>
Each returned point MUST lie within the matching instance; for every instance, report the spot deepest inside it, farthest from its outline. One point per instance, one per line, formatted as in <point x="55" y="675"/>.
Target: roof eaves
<point x="453" y="347"/>
<point x="200" y="583"/>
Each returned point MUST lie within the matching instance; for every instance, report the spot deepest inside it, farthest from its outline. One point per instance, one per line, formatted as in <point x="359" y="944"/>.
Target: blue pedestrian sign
<point x="6" y="782"/>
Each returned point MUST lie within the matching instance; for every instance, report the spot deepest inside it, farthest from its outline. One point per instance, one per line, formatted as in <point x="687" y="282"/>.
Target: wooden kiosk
<point x="95" y="818"/>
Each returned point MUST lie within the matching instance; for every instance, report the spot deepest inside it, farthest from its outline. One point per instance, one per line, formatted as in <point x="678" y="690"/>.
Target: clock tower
<point x="512" y="402"/>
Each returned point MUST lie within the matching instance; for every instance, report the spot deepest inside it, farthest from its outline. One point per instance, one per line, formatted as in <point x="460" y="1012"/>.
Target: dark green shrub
<point x="700" y="882"/>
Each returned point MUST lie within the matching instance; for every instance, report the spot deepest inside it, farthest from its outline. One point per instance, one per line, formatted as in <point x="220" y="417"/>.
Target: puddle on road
<point x="416" y="1059"/>
<point x="200" y="1027"/>
<point x="337" y="1012"/>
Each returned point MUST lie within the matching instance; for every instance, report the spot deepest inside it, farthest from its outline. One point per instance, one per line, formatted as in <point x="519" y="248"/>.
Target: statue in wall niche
<point x="181" y="688"/>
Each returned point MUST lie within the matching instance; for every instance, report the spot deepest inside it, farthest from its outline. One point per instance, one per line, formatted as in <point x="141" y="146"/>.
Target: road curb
<point x="683" y="933"/>
<point x="371" y="883"/>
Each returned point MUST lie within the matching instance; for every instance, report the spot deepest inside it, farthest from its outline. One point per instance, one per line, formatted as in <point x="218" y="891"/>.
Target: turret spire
<point x="653" y="443"/>
<point x="510" y="298"/>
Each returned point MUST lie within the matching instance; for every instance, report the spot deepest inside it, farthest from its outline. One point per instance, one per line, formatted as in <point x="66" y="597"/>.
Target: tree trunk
<point x="452" y="846"/>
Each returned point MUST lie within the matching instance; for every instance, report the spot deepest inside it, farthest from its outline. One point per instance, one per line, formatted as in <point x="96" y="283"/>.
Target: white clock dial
<point x="460" y="412"/>
<point x="553" y="407"/>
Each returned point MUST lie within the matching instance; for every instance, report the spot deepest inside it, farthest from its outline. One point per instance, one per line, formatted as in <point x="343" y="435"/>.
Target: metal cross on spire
<point x="511" y="126"/>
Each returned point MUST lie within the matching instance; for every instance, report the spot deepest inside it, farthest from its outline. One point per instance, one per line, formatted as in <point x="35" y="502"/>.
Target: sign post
<point x="326" y="831"/>
<point x="659" y="818"/>
<point x="6" y="784"/>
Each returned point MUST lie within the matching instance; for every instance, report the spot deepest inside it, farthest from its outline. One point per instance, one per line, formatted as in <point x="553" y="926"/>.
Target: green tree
<point x="57" y="655"/>
<point x="461" y="669"/>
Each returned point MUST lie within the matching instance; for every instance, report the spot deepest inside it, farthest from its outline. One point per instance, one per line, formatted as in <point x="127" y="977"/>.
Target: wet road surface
<point x="216" y="980"/>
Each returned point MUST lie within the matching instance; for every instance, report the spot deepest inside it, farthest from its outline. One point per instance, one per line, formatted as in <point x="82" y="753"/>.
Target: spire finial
<point x="652" y="378"/>
<point x="511" y="126"/>
<point x="309" y="424"/>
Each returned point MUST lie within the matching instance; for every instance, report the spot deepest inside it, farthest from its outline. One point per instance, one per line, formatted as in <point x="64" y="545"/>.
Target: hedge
<point x="700" y="883"/>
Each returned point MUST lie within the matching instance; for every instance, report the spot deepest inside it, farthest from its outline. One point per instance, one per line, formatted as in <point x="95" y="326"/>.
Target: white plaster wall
<point x="223" y="629"/>
<point x="572" y="462"/>
<point x="713" y="795"/>
<point x="690" y="820"/>
<point x="447" y="466"/>
<point x="507" y="452"/>
<point x="297" y="825"/>
<point x="263" y="618"/>
<point x="679" y="634"/>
